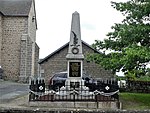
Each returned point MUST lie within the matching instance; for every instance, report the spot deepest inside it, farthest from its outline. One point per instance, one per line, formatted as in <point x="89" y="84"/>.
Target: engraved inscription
<point x="75" y="70"/>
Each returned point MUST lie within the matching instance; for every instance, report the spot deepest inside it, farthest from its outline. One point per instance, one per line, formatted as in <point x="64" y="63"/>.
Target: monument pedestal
<point x="75" y="56"/>
<point x="74" y="80"/>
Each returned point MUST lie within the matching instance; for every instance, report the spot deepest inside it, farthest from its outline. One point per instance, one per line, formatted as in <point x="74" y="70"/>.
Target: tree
<point x="129" y="43"/>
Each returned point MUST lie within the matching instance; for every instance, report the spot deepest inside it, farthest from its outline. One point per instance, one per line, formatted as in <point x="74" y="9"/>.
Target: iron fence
<point x="104" y="90"/>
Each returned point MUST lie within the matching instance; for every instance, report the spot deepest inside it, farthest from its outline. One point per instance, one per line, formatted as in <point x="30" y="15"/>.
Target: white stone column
<point x="75" y="56"/>
<point x="75" y="44"/>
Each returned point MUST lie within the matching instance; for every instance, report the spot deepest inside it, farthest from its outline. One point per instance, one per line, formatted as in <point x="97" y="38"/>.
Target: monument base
<point x="78" y="105"/>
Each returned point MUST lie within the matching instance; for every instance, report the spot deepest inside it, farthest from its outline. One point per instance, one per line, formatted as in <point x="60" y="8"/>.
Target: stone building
<point x="19" y="52"/>
<point x="57" y="62"/>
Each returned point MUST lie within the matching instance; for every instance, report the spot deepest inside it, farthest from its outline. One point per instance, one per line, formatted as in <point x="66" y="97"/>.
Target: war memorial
<point x="75" y="92"/>
<point x="62" y="82"/>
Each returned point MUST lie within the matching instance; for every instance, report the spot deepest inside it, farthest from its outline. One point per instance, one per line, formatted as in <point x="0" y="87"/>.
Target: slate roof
<point x="15" y="7"/>
<point x="67" y="44"/>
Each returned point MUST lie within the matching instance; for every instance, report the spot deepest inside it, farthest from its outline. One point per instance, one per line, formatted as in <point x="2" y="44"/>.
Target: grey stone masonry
<point x="36" y="71"/>
<point x="26" y="58"/>
<point x="23" y="56"/>
<point x="29" y="57"/>
<point x="32" y="26"/>
<point x="12" y="30"/>
<point x="0" y="37"/>
<point x="17" y="39"/>
<point x="56" y="63"/>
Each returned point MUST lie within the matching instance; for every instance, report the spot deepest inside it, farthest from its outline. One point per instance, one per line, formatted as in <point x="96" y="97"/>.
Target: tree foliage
<point x="129" y="43"/>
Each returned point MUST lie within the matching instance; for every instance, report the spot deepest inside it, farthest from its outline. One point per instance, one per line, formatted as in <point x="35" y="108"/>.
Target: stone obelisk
<point x="75" y="56"/>
<point x="75" y="45"/>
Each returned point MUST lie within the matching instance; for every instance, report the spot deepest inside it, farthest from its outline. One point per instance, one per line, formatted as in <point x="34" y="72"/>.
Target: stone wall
<point x="57" y="63"/>
<point x="29" y="57"/>
<point x="23" y="57"/>
<point x="17" y="53"/>
<point x="0" y="37"/>
<point x="32" y="23"/>
<point x="31" y="48"/>
<point x="32" y="34"/>
<point x="75" y="110"/>
<point x="36" y="59"/>
<point x="12" y="30"/>
<point x="109" y="105"/>
<point x="26" y="58"/>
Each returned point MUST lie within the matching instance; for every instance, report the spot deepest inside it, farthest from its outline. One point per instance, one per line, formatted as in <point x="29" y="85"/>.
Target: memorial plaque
<point x="74" y="69"/>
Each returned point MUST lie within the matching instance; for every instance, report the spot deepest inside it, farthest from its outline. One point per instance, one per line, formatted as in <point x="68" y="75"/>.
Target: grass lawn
<point x="138" y="101"/>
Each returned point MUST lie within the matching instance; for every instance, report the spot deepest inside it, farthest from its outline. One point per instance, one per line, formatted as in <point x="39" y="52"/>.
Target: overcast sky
<point x="54" y="21"/>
